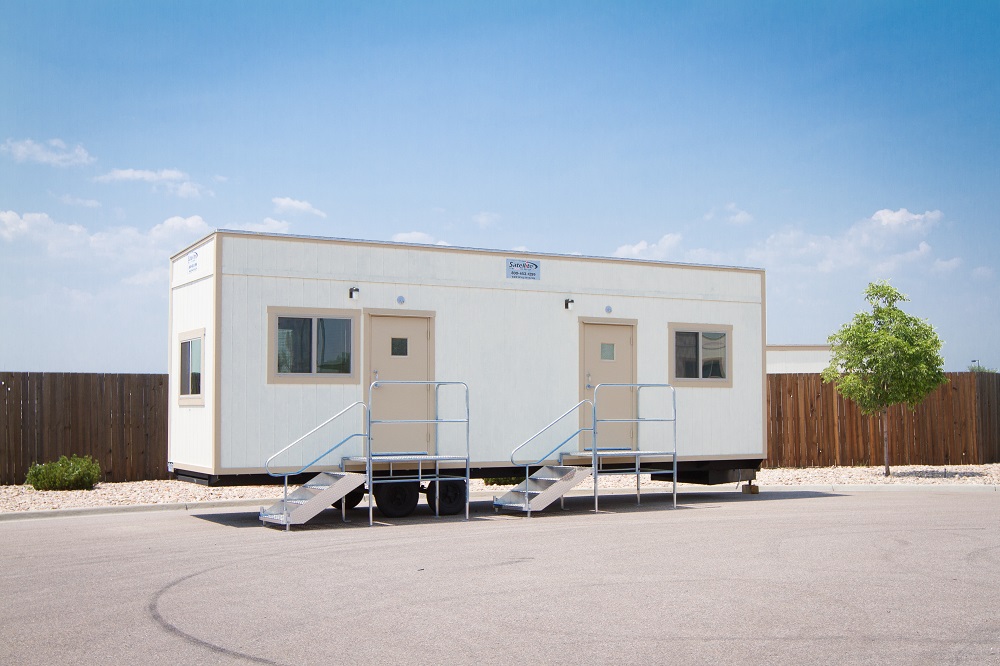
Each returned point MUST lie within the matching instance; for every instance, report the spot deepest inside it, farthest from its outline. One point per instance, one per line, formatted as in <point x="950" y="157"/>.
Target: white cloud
<point x="904" y="220"/>
<point x="417" y="237"/>
<point x="284" y="205"/>
<point x="946" y="265"/>
<point x="982" y="272"/>
<point x="13" y="225"/>
<point x="520" y="248"/>
<point x="880" y="244"/>
<point x="643" y="250"/>
<point x="892" y="263"/>
<point x="188" y="190"/>
<point x="175" y="182"/>
<point x="177" y="227"/>
<point x="485" y="220"/>
<point x="70" y="200"/>
<point x="128" y="245"/>
<point x="150" y="277"/>
<point x="143" y="175"/>
<point x="704" y="256"/>
<point x="53" y="152"/>
<point x="269" y="226"/>
<point x="731" y="213"/>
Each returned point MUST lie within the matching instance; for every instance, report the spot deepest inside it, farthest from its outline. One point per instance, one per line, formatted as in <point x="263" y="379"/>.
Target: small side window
<point x="192" y="360"/>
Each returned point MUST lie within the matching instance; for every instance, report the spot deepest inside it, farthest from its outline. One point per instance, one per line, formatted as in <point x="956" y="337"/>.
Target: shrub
<point x="503" y="480"/>
<point x="73" y="473"/>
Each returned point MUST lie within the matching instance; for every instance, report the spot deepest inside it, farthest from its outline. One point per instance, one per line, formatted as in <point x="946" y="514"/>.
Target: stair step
<point x="311" y="498"/>
<point x="541" y="489"/>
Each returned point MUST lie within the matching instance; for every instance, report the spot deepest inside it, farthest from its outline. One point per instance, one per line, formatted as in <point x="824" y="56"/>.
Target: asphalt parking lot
<point x="895" y="577"/>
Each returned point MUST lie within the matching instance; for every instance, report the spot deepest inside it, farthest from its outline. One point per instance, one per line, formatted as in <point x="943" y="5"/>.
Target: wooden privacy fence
<point x="119" y="420"/>
<point x="810" y="424"/>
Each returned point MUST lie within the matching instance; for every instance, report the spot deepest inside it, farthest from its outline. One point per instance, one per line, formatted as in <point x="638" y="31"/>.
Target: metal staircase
<point x="305" y="502"/>
<point x="552" y="482"/>
<point x="322" y="490"/>
<point x="541" y="489"/>
<point x="548" y="483"/>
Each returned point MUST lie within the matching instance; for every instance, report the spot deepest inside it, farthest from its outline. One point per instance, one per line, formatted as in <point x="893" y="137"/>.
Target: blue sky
<point x="829" y="143"/>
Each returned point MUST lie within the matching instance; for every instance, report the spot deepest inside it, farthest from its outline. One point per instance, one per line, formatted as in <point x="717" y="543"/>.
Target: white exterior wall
<point x="511" y="340"/>
<point x="191" y="429"/>
<point x="791" y="359"/>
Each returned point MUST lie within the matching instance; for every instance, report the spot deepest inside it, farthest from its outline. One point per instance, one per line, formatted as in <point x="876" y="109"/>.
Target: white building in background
<point x="792" y="359"/>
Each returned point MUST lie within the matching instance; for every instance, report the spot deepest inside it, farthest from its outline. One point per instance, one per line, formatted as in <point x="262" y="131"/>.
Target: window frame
<point x="191" y="399"/>
<point x="703" y="382"/>
<point x="312" y="377"/>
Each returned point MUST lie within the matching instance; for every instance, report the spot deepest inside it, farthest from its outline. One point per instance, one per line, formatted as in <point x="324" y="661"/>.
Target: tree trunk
<point x="885" y="438"/>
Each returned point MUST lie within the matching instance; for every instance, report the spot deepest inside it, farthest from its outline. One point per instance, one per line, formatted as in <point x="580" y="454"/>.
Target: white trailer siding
<point x="191" y="427"/>
<point x="511" y="340"/>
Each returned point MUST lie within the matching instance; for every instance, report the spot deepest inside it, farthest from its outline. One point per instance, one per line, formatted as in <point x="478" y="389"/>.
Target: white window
<point x="192" y="361"/>
<point x="700" y="354"/>
<point x="308" y="347"/>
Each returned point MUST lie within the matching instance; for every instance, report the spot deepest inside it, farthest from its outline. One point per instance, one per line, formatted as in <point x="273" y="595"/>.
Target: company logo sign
<point x="523" y="269"/>
<point x="192" y="262"/>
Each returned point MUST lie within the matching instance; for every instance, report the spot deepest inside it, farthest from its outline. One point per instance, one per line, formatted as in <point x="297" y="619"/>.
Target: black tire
<point x="352" y="498"/>
<point x="396" y="500"/>
<point x="452" y="498"/>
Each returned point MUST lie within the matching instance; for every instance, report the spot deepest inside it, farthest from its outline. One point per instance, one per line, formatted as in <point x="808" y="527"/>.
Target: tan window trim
<point x="673" y="329"/>
<point x="273" y="377"/>
<point x="195" y="400"/>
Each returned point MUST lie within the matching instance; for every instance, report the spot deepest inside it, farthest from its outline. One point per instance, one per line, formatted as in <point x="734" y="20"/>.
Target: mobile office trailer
<point x="270" y="335"/>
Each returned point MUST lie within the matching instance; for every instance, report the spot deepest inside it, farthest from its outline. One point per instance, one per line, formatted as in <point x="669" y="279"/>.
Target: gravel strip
<point x="26" y="498"/>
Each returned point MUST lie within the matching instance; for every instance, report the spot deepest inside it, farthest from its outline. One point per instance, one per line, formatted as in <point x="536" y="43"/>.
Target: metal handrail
<point x="267" y="463"/>
<point x="638" y="419"/>
<point x="527" y="465"/>
<point x="540" y="432"/>
<point x="436" y="420"/>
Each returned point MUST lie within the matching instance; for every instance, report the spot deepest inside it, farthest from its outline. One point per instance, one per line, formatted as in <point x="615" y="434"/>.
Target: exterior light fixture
<point x="353" y="292"/>
<point x="568" y="304"/>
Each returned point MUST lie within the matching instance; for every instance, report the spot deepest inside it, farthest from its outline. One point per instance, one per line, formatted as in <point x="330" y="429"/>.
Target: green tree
<point x="979" y="367"/>
<point x="885" y="357"/>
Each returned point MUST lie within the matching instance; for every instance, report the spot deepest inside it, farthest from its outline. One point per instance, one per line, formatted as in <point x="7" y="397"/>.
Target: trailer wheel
<point x="396" y="500"/>
<point x="452" y="497"/>
<point x="352" y="498"/>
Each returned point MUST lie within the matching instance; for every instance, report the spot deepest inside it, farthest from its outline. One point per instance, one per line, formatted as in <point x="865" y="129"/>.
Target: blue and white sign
<point x="523" y="269"/>
<point x="192" y="261"/>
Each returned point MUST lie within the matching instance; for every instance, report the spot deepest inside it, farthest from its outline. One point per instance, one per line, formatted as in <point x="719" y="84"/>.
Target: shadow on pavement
<point x="480" y="509"/>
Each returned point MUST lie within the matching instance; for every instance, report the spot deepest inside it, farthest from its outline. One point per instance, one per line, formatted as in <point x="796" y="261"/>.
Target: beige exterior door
<point x="608" y="357"/>
<point x="400" y="348"/>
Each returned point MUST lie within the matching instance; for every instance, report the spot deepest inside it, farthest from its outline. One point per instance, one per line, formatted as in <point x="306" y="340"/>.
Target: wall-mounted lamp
<point x="353" y="292"/>
<point x="568" y="304"/>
